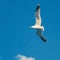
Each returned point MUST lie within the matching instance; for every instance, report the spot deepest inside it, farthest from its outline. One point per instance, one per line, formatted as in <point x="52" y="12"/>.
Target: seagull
<point x="39" y="28"/>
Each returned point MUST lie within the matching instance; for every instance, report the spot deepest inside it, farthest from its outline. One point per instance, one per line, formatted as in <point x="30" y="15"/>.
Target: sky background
<point x="17" y="38"/>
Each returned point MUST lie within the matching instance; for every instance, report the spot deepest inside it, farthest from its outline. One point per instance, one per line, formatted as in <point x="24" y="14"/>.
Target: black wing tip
<point x="44" y="40"/>
<point x="38" y="6"/>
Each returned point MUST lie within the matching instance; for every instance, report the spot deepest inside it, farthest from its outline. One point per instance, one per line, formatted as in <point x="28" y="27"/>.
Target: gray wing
<point x="39" y="33"/>
<point x="37" y="15"/>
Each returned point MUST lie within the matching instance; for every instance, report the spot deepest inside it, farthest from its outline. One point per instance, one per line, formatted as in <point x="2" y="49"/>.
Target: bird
<point x="38" y="25"/>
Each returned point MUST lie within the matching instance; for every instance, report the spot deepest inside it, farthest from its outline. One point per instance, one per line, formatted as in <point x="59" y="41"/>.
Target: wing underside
<point x="37" y="15"/>
<point x="39" y="33"/>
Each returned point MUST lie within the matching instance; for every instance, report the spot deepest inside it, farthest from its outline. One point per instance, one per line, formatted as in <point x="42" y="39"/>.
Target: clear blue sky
<point x="17" y="38"/>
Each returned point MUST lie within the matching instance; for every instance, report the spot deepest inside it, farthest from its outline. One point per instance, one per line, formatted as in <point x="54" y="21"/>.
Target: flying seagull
<point x="37" y="25"/>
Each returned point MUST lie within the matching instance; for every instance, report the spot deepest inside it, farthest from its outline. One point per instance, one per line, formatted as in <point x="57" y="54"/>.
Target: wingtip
<point x="45" y="41"/>
<point x="38" y="6"/>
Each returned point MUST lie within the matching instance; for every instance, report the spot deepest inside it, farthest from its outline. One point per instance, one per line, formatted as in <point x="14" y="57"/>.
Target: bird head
<point x="42" y="28"/>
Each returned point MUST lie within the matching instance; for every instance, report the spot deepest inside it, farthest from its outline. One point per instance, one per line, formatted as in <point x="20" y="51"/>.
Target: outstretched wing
<point x="39" y="33"/>
<point x="37" y="15"/>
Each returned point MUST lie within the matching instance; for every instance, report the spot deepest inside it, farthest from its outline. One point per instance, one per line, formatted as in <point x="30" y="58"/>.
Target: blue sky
<point x="17" y="38"/>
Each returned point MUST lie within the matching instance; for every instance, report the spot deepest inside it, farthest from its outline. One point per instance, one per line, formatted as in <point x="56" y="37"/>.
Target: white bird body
<point x="38" y="25"/>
